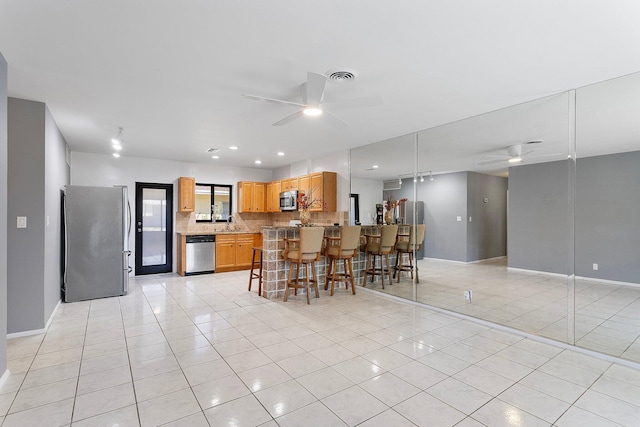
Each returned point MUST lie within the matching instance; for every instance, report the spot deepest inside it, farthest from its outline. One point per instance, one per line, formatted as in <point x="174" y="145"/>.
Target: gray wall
<point x="36" y="172"/>
<point x="461" y="194"/>
<point x="487" y="230"/>
<point x="445" y="198"/>
<point x="57" y="175"/>
<point x="608" y="217"/>
<point x="3" y="215"/>
<point x="25" y="260"/>
<point x="538" y="223"/>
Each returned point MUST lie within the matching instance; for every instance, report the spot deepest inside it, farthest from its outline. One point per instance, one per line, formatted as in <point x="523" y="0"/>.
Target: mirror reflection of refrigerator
<point x="406" y="217"/>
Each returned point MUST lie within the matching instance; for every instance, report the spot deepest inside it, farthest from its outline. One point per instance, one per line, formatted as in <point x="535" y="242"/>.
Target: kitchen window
<point x="213" y="202"/>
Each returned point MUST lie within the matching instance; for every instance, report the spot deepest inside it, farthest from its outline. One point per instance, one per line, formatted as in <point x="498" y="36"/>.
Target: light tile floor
<point x="202" y="351"/>
<point x="607" y="316"/>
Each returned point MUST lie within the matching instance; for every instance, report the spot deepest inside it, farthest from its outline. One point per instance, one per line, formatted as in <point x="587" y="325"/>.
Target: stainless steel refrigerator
<point x="96" y="242"/>
<point x="406" y="217"/>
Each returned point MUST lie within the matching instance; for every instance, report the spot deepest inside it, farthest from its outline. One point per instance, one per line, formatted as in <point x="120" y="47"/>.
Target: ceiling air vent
<point x="342" y="75"/>
<point x="391" y="185"/>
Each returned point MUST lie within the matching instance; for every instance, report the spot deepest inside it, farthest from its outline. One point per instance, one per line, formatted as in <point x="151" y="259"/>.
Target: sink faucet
<point x="229" y="219"/>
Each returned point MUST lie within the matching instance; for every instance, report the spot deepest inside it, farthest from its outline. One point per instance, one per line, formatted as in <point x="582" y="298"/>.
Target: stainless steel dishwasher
<point x="201" y="254"/>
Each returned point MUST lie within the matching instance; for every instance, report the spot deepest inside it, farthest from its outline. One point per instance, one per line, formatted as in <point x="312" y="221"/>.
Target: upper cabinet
<point x="251" y="196"/>
<point x="186" y="194"/>
<point x="289" y="184"/>
<point x="273" y="196"/>
<point x="325" y="188"/>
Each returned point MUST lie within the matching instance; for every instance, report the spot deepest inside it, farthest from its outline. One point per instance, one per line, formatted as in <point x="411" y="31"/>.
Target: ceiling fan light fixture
<point x="312" y="111"/>
<point x="117" y="140"/>
<point x="515" y="159"/>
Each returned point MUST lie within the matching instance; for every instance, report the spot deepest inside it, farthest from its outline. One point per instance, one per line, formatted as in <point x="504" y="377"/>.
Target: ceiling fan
<point x="313" y="103"/>
<point x="514" y="154"/>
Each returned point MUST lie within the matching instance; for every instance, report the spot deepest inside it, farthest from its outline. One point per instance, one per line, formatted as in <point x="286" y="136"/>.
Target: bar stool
<point x="407" y="245"/>
<point x="380" y="246"/>
<point x="256" y="264"/>
<point x="342" y="248"/>
<point x="304" y="251"/>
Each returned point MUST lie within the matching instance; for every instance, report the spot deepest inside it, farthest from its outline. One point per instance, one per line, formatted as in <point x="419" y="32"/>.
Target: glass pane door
<point x="153" y="228"/>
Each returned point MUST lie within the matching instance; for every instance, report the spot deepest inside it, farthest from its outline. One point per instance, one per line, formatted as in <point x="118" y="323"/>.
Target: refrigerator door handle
<point x="129" y="223"/>
<point x="66" y="241"/>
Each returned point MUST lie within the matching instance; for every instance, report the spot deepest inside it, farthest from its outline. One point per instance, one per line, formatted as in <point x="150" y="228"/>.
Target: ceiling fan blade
<point x="525" y="152"/>
<point x="271" y="100"/>
<point x="288" y="119"/>
<point x="334" y="120"/>
<point x="491" y="162"/>
<point x="370" y="101"/>
<point x="545" y="155"/>
<point x="314" y="89"/>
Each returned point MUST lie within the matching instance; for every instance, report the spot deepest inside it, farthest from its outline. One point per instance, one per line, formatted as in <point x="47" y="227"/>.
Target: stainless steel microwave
<point x="289" y="201"/>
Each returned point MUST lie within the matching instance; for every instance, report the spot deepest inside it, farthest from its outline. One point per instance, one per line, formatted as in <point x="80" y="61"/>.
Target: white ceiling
<point x="172" y="73"/>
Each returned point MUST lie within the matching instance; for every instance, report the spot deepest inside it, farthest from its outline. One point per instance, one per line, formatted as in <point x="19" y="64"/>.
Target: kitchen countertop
<point x="211" y="233"/>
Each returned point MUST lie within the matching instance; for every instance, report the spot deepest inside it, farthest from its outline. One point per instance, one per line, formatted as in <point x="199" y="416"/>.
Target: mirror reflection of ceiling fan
<point x="313" y="103"/>
<point x="515" y="154"/>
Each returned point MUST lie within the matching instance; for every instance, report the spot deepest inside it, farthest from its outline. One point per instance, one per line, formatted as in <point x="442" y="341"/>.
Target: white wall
<point x="369" y="193"/>
<point x="3" y="217"/>
<point x="56" y="176"/>
<point x="105" y="170"/>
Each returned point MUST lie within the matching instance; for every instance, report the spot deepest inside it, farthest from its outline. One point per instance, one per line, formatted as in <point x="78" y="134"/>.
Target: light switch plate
<point x="459" y="218"/>
<point x="22" y="222"/>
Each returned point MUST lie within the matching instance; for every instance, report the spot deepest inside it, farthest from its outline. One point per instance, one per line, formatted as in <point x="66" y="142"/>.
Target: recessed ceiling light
<point x="280" y="153"/>
<point x="117" y="147"/>
<point x="116" y="155"/>
<point x="233" y="147"/>
<point x="375" y="166"/>
<point x="215" y="157"/>
<point x="257" y="162"/>
<point x="312" y="111"/>
<point x="115" y="141"/>
<point x="515" y="160"/>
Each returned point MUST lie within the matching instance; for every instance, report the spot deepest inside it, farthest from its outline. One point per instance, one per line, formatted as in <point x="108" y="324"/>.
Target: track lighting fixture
<point x="421" y="178"/>
<point x="430" y="176"/>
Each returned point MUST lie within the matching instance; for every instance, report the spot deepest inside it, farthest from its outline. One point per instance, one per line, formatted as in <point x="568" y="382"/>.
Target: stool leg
<point x="315" y="278"/>
<point x="326" y="280"/>
<point x="306" y="270"/>
<point x="286" y="289"/>
<point x="253" y="263"/>
<point x="260" y="278"/>
<point x="334" y="261"/>
<point x="411" y="264"/>
<point x="353" y="284"/>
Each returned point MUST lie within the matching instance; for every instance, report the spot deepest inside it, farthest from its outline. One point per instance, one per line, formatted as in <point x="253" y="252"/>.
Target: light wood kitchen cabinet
<point x="234" y="251"/>
<point x="273" y="196"/>
<point x="244" y="251"/>
<point x="251" y="196"/>
<point x="324" y="186"/>
<point x="225" y="252"/>
<point x="304" y="184"/>
<point x="186" y="194"/>
<point x="289" y="184"/>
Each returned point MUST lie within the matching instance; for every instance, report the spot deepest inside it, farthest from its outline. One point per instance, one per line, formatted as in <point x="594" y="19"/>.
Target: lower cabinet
<point x="234" y="251"/>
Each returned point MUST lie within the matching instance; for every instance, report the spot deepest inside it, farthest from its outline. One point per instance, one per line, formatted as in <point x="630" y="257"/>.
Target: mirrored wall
<point x="531" y="214"/>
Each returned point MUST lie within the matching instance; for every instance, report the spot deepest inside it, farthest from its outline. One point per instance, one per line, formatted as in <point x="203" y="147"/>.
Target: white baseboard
<point x="4" y="377"/>
<point x="537" y="272"/>
<point x="608" y="282"/>
<point x="464" y="262"/>
<point x="36" y="331"/>
<point x="486" y="259"/>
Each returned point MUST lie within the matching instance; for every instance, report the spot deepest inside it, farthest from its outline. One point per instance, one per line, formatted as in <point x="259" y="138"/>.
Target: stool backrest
<point x="311" y="239"/>
<point x="418" y="235"/>
<point x="350" y="237"/>
<point x="388" y="237"/>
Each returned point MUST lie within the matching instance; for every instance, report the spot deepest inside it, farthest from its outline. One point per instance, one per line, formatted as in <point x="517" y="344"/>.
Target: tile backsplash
<point x="253" y="222"/>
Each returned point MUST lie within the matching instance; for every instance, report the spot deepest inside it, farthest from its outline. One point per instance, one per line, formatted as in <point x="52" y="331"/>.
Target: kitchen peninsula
<point x="275" y="269"/>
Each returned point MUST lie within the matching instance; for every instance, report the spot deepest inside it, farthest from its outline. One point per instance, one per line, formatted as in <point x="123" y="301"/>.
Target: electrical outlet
<point x="468" y="295"/>
<point x="595" y="266"/>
